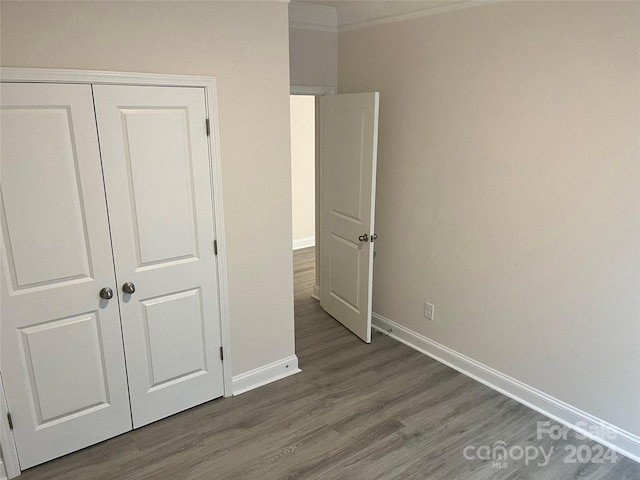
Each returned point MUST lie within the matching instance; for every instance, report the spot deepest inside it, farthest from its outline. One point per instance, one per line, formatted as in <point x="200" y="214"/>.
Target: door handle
<point x="364" y="238"/>
<point x="106" y="293"/>
<point x="128" y="287"/>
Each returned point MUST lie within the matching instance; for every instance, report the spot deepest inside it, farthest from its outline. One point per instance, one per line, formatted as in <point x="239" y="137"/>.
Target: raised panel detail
<point x="345" y="265"/>
<point x="64" y="363"/>
<point x="43" y="218"/>
<point x="346" y="163"/>
<point x="161" y="184"/>
<point x="174" y="329"/>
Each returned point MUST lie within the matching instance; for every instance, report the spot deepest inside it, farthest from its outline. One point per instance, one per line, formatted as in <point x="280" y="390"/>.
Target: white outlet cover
<point x="429" y="310"/>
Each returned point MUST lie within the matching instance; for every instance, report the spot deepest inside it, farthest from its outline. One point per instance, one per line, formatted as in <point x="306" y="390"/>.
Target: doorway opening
<point x="305" y="111"/>
<point x="303" y="152"/>
<point x="346" y="137"/>
<point x="303" y="193"/>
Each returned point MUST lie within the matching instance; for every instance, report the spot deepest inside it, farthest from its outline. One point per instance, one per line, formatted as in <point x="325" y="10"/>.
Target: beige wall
<point x="303" y="166"/>
<point x="508" y="189"/>
<point x="243" y="44"/>
<point x="313" y="57"/>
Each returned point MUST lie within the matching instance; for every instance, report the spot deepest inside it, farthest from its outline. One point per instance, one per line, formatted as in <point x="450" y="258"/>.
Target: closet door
<point x="156" y="170"/>
<point x="61" y="355"/>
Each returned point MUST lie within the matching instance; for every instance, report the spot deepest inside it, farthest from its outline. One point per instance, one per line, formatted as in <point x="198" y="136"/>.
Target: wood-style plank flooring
<point x="357" y="411"/>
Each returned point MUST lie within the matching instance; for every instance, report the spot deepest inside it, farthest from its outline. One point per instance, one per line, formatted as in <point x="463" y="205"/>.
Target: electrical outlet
<point x="429" y="311"/>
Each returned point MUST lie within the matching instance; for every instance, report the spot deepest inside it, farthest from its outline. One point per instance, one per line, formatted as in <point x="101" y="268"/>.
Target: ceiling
<point x="352" y="12"/>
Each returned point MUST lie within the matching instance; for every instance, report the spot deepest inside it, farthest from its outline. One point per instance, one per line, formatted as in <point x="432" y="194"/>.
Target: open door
<point x="348" y="154"/>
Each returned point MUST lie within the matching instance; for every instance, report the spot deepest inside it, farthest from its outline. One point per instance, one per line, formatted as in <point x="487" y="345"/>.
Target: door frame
<point x="46" y="75"/>
<point x="7" y="441"/>
<point x="316" y="91"/>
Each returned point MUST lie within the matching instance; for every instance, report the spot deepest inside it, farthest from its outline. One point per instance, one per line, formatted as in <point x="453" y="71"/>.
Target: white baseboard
<point x="316" y="292"/>
<point x="615" y="438"/>
<point x="263" y="375"/>
<point x="304" y="243"/>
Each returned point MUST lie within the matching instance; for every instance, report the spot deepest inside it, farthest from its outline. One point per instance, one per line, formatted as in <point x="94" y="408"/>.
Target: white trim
<point x="53" y="75"/>
<point x="421" y="13"/>
<point x="316" y="292"/>
<point x="617" y="439"/>
<point x="312" y="90"/>
<point x="3" y="472"/>
<point x="7" y="442"/>
<point x="304" y="243"/>
<point x="319" y="202"/>
<point x="317" y="28"/>
<point x="216" y="185"/>
<point x="266" y="374"/>
<point x="308" y="16"/>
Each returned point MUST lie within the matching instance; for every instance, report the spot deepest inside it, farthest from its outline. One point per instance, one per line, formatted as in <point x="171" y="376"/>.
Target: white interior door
<point x="348" y="154"/>
<point x="61" y="356"/>
<point x="158" y="181"/>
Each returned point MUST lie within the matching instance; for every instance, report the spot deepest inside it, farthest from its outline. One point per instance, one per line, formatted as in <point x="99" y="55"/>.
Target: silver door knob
<point x="128" y="287"/>
<point x="106" y="293"/>
<point x="364" y="238"/>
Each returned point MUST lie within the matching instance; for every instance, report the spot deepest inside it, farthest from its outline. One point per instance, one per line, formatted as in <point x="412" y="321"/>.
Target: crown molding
<point x="308" y="16"/>
<point x="463" y="4"/>
<point x="311" y="90"/>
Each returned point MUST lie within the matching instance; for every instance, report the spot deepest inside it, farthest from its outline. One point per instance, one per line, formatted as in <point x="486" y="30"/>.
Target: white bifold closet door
<point x="156" y="170"/>
<point x="78" y="368"/>
<point x="62" y="357"/>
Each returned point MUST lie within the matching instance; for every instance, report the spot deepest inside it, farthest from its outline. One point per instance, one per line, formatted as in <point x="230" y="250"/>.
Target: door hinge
<point x="208" y="125"/>
<point x="221" y="353"/>
<point x="10" y="420"/>
<point x="215" y="247"/>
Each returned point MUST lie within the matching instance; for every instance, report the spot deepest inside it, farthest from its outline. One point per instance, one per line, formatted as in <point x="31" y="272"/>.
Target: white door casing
<point x="7" y="441"/>
<point x="348" y="149"/>
<point x="61" y="355"/>
<point x="157" y="178"/>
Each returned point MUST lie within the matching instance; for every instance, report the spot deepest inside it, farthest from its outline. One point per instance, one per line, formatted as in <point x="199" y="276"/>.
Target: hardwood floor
<point x="357" y="411"/>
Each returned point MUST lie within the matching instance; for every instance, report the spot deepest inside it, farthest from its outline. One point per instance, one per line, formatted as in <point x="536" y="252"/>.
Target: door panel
<point x="166" y="336"/>
<point x="62" y="357"/>
<point x="57" y="209"/>
<point x="349" y="137"/>
<point x="161" y="184"/>
<point x="53" y="369"/>
<point x="348" y="167"/>
<point x="158" y="186"/>
<point x="345" y="258"/>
